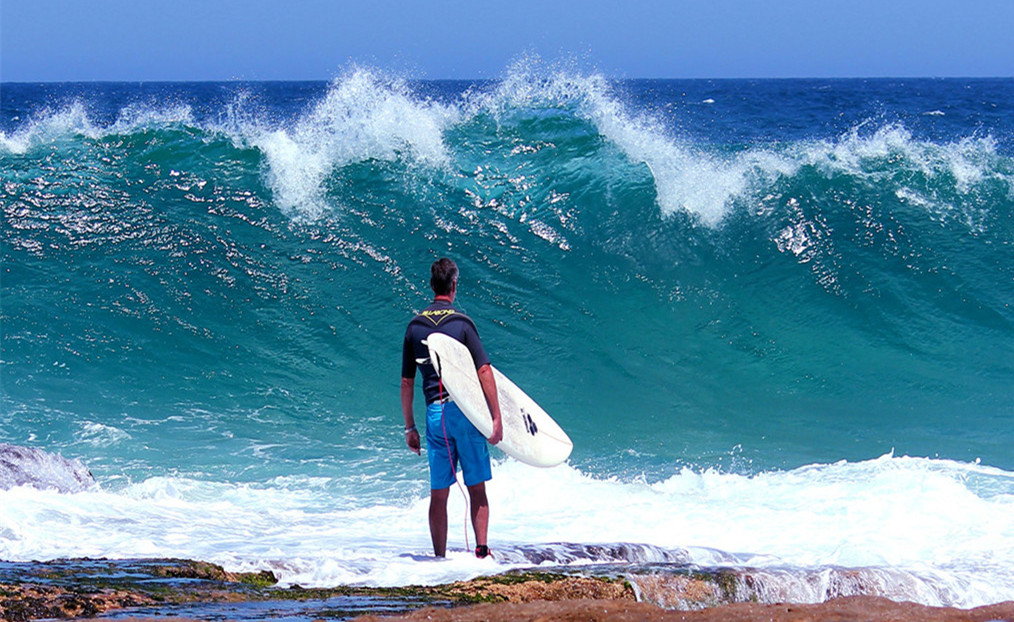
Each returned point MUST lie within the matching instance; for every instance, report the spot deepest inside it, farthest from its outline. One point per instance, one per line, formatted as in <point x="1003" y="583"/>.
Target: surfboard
<point x="529" y="433"/>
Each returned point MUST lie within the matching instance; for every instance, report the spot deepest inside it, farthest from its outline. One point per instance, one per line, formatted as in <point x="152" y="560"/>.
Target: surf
<point x="939" y="523"/>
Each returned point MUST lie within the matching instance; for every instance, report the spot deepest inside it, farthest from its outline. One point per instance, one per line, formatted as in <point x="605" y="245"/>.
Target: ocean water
<point x="774" y="316"/>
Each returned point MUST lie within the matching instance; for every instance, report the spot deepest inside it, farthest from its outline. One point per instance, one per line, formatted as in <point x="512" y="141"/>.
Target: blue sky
<point x="57" y="40"/>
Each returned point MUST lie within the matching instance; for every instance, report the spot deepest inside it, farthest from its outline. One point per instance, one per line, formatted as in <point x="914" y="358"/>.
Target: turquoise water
<point x="204" y="289"/>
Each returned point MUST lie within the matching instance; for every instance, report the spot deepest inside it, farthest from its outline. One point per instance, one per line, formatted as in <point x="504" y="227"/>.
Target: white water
<point x="935" y="523"/>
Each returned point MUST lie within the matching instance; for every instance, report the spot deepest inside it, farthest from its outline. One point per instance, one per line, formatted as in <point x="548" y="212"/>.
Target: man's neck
<point x="447" y="299"/>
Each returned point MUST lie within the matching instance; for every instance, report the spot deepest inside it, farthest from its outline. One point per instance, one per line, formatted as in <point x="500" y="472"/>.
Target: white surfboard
<point x="529" y="434"/>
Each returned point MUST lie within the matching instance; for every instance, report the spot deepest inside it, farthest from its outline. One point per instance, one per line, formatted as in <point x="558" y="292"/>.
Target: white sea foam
<point x="968" y="160"/>
<point x="940" y="523"/>
<point x="100" y="435"/>
<point x="366" y="115"/>
<point x="363" y="116"/>
<point x="947" y="180"/>
<point x="693" y="178"/>
<point x="136" y="116"/>
<point x="50" y="125"/>
<point x="687" y="178"/>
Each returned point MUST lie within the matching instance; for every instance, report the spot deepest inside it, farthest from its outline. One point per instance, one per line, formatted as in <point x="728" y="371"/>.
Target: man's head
<point x="443" y="277"/>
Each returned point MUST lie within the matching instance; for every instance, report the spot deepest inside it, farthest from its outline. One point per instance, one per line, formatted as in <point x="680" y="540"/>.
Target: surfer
<point x="450" y="437"/>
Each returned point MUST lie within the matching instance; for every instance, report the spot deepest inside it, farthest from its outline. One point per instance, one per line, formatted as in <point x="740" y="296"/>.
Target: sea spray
<point x="363" y="117"/>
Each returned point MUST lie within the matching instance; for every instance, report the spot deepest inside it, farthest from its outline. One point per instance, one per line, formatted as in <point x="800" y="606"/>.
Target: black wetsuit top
<point x="441" y="316"/>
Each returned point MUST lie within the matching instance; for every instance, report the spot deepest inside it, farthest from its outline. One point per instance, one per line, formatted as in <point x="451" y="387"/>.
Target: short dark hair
<point x="443" y="275"/>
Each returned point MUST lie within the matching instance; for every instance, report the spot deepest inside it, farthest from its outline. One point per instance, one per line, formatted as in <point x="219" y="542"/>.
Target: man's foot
<point x="482" y="551"/>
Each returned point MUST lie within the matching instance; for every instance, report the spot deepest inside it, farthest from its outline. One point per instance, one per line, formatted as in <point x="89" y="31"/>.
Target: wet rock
<point x="529" y="586"/>
<point x="189" y="569"/>
<point x="29" y="466"/>
<point x="30" y="602"/>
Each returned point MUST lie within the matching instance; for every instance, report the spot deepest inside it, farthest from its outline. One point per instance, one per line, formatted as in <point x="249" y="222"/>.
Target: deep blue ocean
<point x="774" y="316"/>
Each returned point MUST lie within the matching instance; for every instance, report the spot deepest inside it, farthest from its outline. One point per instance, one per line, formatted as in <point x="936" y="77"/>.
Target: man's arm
<point x="407" y="396"/>
<point x="488" y="384"/>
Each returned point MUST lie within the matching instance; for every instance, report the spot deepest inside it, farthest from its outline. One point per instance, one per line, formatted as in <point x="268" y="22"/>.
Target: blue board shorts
<point x="463" y="444"/>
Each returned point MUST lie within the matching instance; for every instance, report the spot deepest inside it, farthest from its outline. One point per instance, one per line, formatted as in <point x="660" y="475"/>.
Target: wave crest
<point x="364" y="116"/>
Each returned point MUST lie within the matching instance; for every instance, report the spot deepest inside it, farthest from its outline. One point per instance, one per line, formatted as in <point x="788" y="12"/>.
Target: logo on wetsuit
<point x="436" y="316"/>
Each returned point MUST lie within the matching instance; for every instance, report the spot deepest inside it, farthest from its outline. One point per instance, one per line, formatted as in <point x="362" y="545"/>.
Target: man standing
<point x="450" y="437"/>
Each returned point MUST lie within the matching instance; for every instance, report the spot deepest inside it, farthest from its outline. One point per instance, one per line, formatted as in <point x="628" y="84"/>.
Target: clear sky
<point x="132" y="40"/>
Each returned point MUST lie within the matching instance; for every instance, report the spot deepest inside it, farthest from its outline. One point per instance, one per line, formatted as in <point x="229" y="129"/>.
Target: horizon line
<point x="263" y="80"/>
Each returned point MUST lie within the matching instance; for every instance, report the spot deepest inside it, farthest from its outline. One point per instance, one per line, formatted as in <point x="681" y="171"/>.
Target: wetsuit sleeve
<point x="408" y="356"/>
<point x="470" y="337"/>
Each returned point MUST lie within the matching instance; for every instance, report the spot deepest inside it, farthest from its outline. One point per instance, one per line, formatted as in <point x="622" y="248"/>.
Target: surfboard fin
<point x="429" y="360"/>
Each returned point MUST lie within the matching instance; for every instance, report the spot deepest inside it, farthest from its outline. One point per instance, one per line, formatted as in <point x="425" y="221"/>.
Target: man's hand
<point x="497" y="434"/>
<point x="412" y="440"/>
<point x="488" y="384"/>
<point x="411" y="434"/>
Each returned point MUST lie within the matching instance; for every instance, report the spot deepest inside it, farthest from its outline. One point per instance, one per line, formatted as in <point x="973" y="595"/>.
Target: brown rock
<point x="27" y="602"/>
<point x="532" y="587"/>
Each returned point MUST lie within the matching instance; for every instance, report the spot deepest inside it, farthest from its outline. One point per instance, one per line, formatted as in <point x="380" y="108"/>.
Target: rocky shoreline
<point x="186" y="589"/>
<point x="86" y="588"/>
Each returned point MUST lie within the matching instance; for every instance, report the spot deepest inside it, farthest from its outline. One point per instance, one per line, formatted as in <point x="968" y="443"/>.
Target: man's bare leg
<point x="480" y="512"/>
<point x="438" y="520"/>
